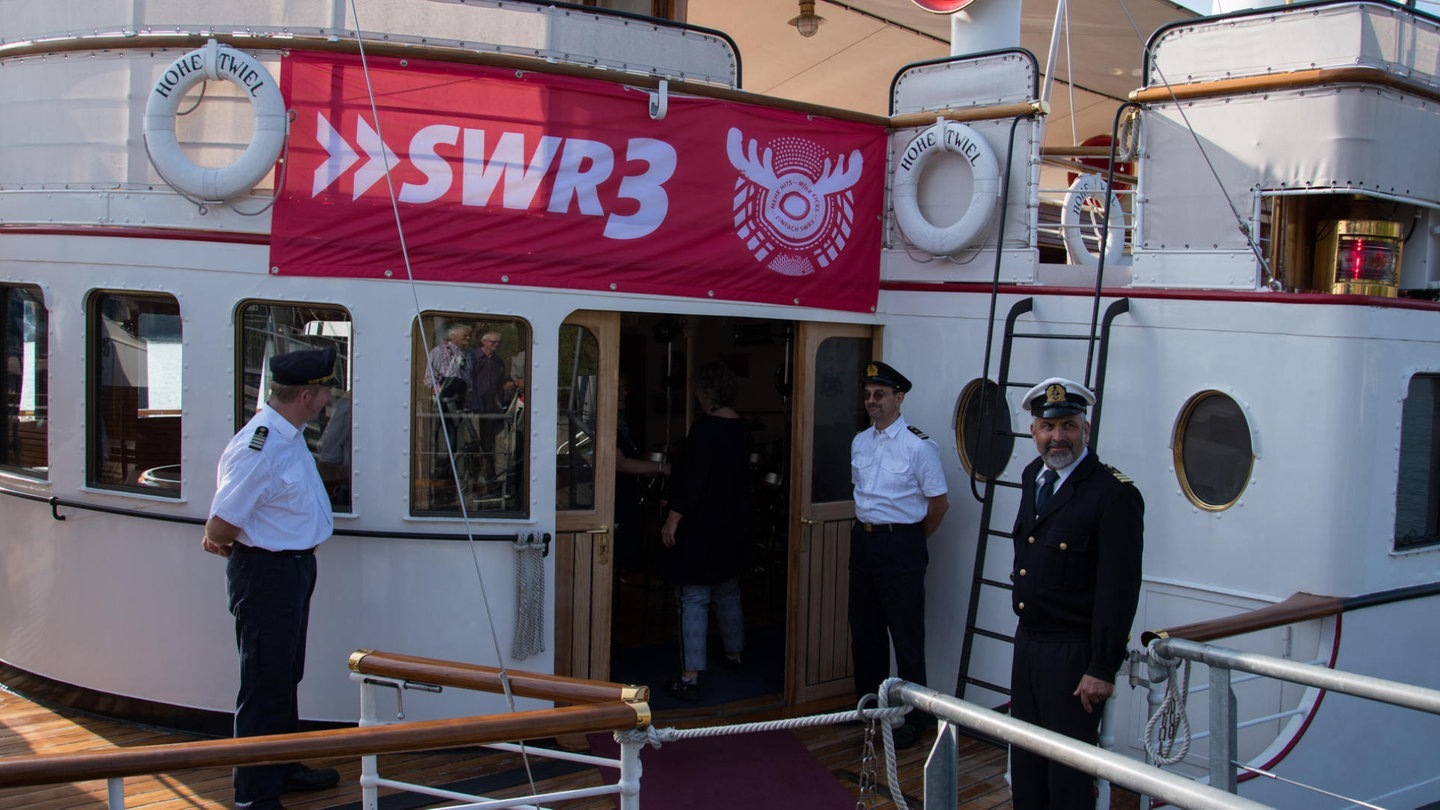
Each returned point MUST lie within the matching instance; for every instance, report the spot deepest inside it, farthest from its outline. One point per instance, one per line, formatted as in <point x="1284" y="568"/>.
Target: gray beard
<point x="1059" y="458"/>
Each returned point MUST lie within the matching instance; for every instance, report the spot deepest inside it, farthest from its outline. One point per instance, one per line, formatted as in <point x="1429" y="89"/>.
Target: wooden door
<point x="585" y="492"/>
<point x="829" y="413"/>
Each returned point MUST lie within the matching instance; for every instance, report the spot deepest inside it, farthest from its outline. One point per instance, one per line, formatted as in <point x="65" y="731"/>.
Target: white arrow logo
<point x="341" y="157"/>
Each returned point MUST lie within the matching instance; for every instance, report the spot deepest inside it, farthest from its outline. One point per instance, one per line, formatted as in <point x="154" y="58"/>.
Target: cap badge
<point x="1055" y="392"/>
<point x="871" y="370"/>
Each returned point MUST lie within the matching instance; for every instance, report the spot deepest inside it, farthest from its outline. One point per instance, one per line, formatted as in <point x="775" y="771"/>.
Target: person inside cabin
<point x="706" y="531"/>
<point x="492" y="390"/>
<point x="269" y="513"/>
<point x="333" y="452"/>
<point x="447" y="374"/>
<point x="900" y="499"/>
<point x="630" y="472"/>
<point x="1078" y="541"/>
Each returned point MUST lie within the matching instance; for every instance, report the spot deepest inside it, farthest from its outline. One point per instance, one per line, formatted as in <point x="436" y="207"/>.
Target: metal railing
<point x="942" y="773"/>
<point x="600" y="707"/>
<point x="1222" y="661"/>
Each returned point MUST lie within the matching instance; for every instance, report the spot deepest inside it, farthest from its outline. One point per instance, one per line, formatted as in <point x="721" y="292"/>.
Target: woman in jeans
<point x="706" y="530"/>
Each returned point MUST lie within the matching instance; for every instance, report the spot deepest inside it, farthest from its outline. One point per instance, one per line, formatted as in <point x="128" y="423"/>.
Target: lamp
<point x="1361" y="257"/>
<point x="808" y="22"/>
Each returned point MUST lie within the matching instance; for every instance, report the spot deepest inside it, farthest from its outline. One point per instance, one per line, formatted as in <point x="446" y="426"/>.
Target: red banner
<point x="551" y="181"/>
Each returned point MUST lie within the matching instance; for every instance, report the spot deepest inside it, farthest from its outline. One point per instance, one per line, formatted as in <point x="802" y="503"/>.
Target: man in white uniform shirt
<point x="269" y="513"/>
<point x="900" y="497"/>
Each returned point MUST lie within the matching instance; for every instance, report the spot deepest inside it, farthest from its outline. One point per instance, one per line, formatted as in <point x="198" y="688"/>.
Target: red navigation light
<point x="1362" y="257"/>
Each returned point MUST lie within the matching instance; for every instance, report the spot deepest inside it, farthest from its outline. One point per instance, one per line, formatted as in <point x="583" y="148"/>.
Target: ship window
<point x="270" y="328"/>
<point x="839" y="414"/>
<point x="982" y="429"/>
<point x="1213" y="452"/>
<point x="575" y="432"/>
<point x="23" y="445"/>
<point x="469" y="418"/>
<point x="1417" y="505"/>
<point x="134" y="432"/>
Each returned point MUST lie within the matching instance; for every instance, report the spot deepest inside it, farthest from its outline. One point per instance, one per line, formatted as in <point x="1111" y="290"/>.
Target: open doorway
<point x="658" y="354"/>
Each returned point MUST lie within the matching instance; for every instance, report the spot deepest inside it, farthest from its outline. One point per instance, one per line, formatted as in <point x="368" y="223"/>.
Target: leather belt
<point x="888" y="528"/>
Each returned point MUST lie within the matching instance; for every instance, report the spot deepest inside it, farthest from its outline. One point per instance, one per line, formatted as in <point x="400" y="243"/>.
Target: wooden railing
<point x="1298" y="607"/>
<point x="603" y="707"/>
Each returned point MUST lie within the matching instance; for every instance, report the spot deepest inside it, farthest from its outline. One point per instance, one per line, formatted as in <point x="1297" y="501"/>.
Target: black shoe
<point x="303" y="778"/>
<point x="682" y="689"/>
<point x="732" y="664"/>
<point x="905" y="736"/>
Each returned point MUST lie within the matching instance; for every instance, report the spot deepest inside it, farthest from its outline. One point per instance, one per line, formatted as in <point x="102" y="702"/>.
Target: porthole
<point x="983" y="430"/>
<point x="1213" y="451"/>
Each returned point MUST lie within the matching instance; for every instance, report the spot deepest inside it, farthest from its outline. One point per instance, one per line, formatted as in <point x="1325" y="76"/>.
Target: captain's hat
<point x="881" y="374"/>
<point x="306" y="367"/>
<point x="1058" y="397"/>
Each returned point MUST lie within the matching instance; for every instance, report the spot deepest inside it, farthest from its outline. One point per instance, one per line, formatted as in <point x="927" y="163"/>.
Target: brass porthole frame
<point x="1178" y="450"/>
<point x="968" y="395"/>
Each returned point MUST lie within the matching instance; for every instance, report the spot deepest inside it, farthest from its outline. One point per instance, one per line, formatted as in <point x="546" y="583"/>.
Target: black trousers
<point x="887" y="606"/>
<point x="1043" y="678"/>
<point x="270" y="600"/>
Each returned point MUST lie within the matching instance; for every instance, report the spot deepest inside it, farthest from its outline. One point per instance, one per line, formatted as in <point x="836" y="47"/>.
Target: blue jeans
<point x="695" y="619"/>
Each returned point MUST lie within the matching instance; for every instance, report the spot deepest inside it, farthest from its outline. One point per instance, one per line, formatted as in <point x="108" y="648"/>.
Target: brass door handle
<point x="602" y="544"/>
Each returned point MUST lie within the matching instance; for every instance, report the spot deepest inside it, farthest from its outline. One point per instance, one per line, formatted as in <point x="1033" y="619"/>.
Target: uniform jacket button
<point x="1063" y="546"/>
<point x="1022" y="572"/>
<point x="1021" y="605"/>
<point x="1030" y="540"/>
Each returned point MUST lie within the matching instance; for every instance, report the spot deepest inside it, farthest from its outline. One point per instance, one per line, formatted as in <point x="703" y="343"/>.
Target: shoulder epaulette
<point x="257" y="440"/>
<point x="917" y="431"/>
<point x="1119" y="476"/>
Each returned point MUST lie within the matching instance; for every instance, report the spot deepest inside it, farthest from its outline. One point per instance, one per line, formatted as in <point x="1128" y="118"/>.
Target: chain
<point x="867" y="766"/>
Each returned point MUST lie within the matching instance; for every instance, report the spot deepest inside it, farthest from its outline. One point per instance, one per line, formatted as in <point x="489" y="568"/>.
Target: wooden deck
<point x="31" y="728"/>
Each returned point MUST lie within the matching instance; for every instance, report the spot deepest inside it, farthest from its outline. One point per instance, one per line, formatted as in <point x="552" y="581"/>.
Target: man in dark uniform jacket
<point x="1078" y="541"/>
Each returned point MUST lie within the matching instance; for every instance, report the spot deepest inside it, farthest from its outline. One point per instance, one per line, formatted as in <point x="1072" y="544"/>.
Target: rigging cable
<point x="434" y="392"/>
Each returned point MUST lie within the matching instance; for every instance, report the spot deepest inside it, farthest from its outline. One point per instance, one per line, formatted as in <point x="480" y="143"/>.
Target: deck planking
<point x="27" y="727"/>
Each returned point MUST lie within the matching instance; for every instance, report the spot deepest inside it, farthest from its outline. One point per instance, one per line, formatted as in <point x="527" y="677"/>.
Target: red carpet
<point x="770" y="769"/>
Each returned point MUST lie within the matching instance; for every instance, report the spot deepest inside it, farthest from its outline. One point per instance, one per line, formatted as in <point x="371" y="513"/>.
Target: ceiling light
<point x="808" y="22"/>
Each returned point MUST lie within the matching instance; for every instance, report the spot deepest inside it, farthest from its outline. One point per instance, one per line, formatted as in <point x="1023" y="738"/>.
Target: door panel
<point x="585" y="493"/>
<point x="828" y="415"/>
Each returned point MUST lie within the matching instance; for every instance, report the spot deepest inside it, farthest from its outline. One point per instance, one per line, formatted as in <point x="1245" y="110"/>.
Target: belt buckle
<point x="869" y="527"/>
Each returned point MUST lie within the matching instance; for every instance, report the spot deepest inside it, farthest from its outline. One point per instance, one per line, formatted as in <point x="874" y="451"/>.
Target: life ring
<point x="214" y="61"/>
<point x="946" y="136"/>
<point x="1073" y="232"/>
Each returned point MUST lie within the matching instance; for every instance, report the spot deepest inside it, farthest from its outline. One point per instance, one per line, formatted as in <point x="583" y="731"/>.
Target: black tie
<point x="1047" y="488"/>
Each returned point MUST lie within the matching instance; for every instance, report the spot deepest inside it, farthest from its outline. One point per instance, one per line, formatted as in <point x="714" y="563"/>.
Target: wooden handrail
<point x="1299" y="607"/>
<point x="981" y="113"/>
<point x="487" y="679"/>
<point x="1283" y="81"/>
<point x="425" y="735"/>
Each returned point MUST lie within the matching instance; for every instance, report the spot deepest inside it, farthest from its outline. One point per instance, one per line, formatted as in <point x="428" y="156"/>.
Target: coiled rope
<point x="529" y="596"/>
<point x="1169" y="724"/>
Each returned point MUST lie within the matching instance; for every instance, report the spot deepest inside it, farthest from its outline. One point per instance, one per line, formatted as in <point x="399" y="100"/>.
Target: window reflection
<point x="23" y="443"/>
<point x="579" y="363"/>
<point x="1417" y="505"/>
<point x="268" y="329"/>
<point x="470" y="420"/>
<point x="135" y="393"/>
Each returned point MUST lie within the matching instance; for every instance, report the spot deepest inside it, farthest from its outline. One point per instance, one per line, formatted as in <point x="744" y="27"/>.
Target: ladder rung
<point x="1047" y="336"/>
<point x="996" y="583"/>
<point x="999" y="533"/>
<point x="993" y="687"/>
<point x="980" y="631"/>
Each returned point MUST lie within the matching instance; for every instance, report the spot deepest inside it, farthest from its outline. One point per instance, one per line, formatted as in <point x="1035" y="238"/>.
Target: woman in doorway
<point x="706" y="529"/>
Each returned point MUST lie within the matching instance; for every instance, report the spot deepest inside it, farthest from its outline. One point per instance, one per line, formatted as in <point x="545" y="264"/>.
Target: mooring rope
<point x="1169" y="724"/>
<point x="656" y="737"/>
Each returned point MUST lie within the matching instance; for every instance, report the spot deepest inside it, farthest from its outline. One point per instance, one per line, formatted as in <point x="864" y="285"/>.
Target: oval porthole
<point x="982" y="429"/>
<point x="1213" y="451"/>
